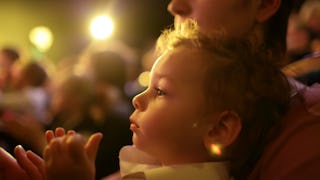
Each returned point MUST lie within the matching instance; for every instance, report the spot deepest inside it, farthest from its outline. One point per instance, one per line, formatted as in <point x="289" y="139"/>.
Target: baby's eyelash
<point x="159" y="92"/>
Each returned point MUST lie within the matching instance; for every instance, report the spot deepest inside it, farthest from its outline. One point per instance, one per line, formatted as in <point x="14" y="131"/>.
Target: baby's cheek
<point x="151" y="126"/>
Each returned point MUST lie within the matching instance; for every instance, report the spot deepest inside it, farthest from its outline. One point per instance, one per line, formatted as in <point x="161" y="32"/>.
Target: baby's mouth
<point x="134" y="127"/>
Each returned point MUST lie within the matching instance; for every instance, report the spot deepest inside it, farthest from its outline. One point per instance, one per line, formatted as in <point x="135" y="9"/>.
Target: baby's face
<point x="169" y="121"/>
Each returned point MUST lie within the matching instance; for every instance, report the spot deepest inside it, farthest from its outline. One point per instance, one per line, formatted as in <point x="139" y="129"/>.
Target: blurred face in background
<point x="17" y="76"/>
<point x="59" y="102"/>
<point x="5" y="64"/>
<point x="236" y="17"/>
<point x="298" y="38"/>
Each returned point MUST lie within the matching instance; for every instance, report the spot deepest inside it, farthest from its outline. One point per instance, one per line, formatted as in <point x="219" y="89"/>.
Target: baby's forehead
<point x="183" y="55"/>
<point x="180" y="61"/>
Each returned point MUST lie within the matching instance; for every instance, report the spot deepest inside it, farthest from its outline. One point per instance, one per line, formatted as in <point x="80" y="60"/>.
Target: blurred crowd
<point x="303" y="42"/>
<point x="88" y="93"/>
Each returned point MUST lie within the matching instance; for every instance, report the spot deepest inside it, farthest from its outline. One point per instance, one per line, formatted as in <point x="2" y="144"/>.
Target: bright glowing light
<point x="101" y="27"/>
<point x="143" y="79"/>
<point x="216" y="149"/>
<point x="41" y="37"/>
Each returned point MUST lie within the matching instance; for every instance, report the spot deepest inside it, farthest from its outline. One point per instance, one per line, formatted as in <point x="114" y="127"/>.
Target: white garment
<point x="30" y="99"/>
<point x="39" y="99"/>
<point x="135" y="164"/>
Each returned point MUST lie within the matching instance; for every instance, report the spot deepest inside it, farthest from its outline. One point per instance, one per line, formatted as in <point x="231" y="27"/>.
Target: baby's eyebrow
<point x="160" y="75"/>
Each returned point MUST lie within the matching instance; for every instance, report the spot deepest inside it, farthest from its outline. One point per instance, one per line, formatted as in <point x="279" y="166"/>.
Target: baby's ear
<point x="223" y="130"/>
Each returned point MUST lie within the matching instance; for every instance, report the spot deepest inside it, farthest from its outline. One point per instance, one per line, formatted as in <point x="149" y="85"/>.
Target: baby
<point x="211" y="105"/>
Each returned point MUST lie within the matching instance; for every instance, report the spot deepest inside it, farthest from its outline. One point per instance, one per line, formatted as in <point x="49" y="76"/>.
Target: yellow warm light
<point x="101" y="27"/>
<point x="143" y="79"/>
<point x="215" y="149"/>
<point x="41" y="37"/>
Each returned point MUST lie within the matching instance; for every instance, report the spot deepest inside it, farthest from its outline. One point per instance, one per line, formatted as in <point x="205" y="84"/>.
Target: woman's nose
<point x="179" y="8"/>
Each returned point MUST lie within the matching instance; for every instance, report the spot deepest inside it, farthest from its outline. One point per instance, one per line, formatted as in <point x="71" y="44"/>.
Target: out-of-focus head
<point x="35" y="74"/>
<point x="31" y="74"/>
<point x="234" y="16"/>
<point x="73" y="92"/>
<point x="298" y="37"/>
<point x="8" y="56"/>
<point x="109" y="63"/>
<point x="266" y="19"/>
<point x="110" y="68"/>
<point x="310" y="15"/>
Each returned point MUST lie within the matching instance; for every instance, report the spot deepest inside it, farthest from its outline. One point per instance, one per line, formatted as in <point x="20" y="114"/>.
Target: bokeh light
<point x="143" y="79"/>
<point x="101" y="27"/>
<point x="41" y="37"/>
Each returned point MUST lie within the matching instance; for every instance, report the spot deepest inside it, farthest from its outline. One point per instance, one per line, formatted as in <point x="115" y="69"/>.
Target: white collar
<point x="135" y="164"/>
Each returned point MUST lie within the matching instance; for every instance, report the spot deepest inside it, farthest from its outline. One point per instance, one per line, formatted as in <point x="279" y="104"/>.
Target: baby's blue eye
<point x="160" y="92"/>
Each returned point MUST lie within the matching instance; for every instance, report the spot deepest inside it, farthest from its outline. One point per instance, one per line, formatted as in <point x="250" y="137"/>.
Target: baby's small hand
<point x="59" y="132"/>
<point x="69" y="157"/>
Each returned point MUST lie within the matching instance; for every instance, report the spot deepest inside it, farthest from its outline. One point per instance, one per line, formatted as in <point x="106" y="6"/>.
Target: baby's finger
<point x="92" y="146"/>
<point x="71" y="132"/>
<point x="49" y="136"/>
<point x="59" y="132"/>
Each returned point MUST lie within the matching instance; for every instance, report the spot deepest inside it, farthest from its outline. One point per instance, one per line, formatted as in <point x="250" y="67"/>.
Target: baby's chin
<point x="136" y="143"/>
<point x="134" y="154"/>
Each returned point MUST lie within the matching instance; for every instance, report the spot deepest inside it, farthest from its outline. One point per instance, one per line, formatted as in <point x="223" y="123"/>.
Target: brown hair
<point x="11" y="54"/>
<point x="240" y="78"/>
<point x="109" y="67"/>
<point x="34" y="74"/>
<point x="276" y="29"/>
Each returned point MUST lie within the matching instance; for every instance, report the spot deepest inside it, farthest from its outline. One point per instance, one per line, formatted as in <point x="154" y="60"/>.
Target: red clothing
<point x="295" y="152"/>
